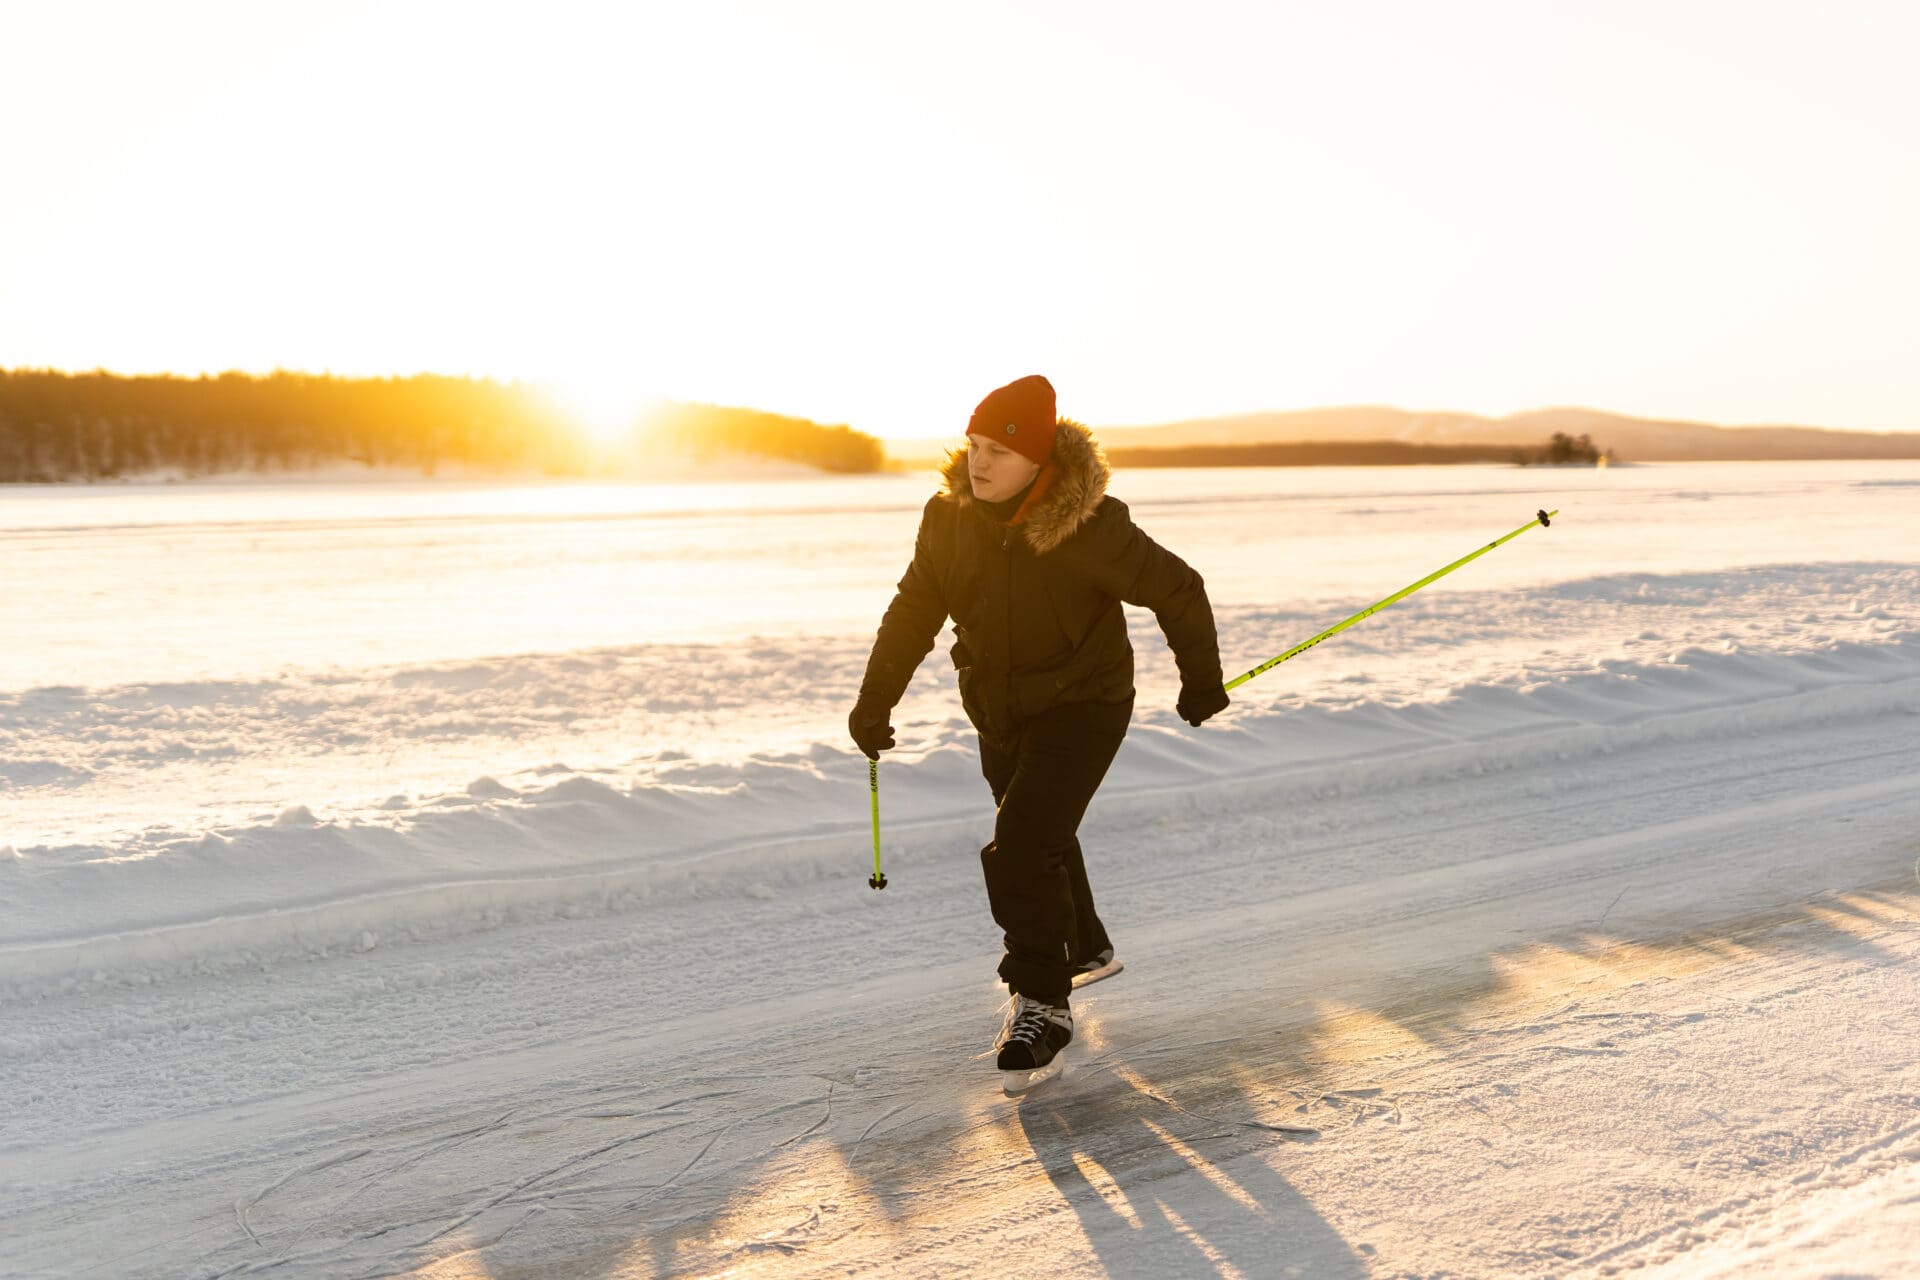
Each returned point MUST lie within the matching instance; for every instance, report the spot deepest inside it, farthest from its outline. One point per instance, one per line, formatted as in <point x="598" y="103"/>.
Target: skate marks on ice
<point x="1157" y="1153"/>
<point x="924" y="1164"/>
<point x="962" y="1177"/>
<point x="420" y="1191"/>
<point x="918" y="1163"/>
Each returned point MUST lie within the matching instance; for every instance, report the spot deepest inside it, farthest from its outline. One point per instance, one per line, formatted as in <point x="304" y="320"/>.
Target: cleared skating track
<point x="1604" y="999"/>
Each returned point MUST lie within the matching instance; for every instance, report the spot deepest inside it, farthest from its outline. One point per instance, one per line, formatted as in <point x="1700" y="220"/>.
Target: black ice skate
<point x="1031" y="1042"/>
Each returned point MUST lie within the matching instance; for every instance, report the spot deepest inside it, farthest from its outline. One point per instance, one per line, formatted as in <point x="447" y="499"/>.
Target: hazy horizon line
<point x="643" y="402"/>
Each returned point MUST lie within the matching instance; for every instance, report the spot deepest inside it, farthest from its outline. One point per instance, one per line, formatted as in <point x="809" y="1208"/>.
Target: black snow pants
<point x="1042" y="781"/>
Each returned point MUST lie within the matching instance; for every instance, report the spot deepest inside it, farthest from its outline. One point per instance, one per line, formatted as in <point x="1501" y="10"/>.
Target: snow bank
<point x="554" y="841"/>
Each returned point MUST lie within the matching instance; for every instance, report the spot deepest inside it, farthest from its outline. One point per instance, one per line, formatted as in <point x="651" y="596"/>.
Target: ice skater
<point x="1025" y="551"/>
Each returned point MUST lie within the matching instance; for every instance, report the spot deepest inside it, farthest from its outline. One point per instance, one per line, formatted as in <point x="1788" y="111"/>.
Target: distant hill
<point x="1630" y="439"/>
<point x="1314" y="453"/>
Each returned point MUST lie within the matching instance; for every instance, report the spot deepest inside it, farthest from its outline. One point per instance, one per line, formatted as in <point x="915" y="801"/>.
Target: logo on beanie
<point x="1012" y="427"/>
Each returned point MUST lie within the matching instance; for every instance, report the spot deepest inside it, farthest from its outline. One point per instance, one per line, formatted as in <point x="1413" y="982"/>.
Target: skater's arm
<point x="1140" y="571"/>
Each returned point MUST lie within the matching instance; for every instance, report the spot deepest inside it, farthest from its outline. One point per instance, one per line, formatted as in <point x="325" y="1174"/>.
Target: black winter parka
<point x="1036" y="605"/>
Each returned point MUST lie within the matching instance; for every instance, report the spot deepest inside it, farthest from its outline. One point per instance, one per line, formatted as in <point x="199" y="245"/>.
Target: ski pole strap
<point x="1542" y="518"/>
<point x="876" y="880"/>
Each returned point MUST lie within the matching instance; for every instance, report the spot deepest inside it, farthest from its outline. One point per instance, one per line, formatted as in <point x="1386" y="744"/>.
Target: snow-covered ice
<point x="470" y="880"/>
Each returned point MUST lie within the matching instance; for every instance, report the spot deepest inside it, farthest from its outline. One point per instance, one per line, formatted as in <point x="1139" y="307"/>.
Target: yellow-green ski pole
<point x="876" y="880"/>
<point x="1542" y="518"/>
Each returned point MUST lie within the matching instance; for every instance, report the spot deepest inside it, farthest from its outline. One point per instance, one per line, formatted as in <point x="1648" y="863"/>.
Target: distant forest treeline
<point x="89" y="426"/>
<point x="705" y="432"/>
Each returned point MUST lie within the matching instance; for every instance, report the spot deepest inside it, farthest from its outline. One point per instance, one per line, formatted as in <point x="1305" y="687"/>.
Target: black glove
<point x="872" y="728"/>
<point x="1197" y="706"/>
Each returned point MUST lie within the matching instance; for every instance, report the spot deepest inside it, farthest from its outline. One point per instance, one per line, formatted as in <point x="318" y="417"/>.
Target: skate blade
<point x="1106" y="970"/>
<point x="1018" y="1082"/>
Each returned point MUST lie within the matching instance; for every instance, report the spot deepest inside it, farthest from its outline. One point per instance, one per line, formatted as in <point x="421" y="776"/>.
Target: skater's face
<point x="997" y="472"/>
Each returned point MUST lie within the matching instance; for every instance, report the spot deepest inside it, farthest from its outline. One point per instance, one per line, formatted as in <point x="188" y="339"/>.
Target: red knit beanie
<point x="1019" y="415"/>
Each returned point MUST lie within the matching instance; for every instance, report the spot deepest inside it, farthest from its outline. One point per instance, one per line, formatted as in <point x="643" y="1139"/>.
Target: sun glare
<point x="609" y="412"/>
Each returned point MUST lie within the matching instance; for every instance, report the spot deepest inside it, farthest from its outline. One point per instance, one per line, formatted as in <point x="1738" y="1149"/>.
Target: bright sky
<point x="875" y="212"/>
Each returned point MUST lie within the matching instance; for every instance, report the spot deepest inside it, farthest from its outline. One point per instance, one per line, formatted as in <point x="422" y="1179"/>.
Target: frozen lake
<point x="137" y="585"/>
<point x="471" y="879"/>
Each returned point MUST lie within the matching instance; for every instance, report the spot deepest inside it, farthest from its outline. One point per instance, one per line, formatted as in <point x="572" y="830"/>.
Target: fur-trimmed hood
<point x="1079" y="484"/>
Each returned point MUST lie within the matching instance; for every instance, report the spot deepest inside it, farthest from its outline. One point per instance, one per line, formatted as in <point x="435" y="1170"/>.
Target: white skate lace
<point x="1026" y="1021"/>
